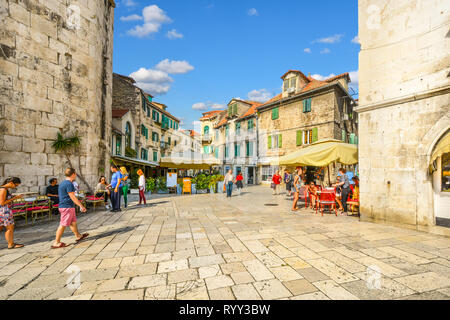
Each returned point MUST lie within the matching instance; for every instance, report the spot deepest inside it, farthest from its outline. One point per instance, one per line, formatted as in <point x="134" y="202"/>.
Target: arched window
<point x="206" y="130"/>
<point x="128" y="135"/>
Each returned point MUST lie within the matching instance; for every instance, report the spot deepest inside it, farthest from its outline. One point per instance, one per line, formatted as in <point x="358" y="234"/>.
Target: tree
<point x="68" y="146"/>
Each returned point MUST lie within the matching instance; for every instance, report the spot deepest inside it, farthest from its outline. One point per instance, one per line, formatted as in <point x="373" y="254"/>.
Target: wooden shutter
<point x="352" y="138"/>
<point x="299" y="137"/>
<point x="315" y="134"/>
<point x="280" y="142"/>
<point x="343" y="135"/>
<point x="269" y="142"/>
<point x="304" y="105"/>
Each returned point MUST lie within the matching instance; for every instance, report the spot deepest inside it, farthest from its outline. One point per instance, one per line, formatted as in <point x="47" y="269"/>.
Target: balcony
<point x="206" y="138"/>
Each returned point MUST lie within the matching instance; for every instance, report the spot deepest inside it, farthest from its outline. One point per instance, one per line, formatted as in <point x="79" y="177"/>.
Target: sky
<point x="195" y="56"/>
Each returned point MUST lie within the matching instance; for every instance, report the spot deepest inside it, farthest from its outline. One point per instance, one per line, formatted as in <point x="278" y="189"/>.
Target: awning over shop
<point x="134" y="161"/>
<point x="188" y="163"/>
<point x="321" y="154"/>
<point x="443" y="146"/>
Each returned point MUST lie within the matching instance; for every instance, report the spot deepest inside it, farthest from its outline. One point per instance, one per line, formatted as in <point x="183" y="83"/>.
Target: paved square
<point x="211" y="247"/>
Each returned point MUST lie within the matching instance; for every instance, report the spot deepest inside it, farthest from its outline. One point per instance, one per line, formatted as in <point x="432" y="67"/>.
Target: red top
<point x="239" y="177"/>
<point x="276" y="179"/>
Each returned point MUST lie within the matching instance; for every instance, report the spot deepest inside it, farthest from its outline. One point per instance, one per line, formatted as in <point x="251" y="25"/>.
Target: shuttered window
<point x="155" y="156"/>
<point x="269" y="142"/>
<point x="344" y="136"/>
<point x="250" y="124"/>
<point x="237" y="150"/>
<point x="299" y="137"/>
<point x="307" y="105"/>
<point x="238" y="128"/>
<point x="315" y="135"/>
<point x="249" y="148"/>
<point x="280" y="142"/>
<point x="275" y="113"/>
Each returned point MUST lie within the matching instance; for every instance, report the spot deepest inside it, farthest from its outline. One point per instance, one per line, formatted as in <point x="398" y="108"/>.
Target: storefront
<point x="440" y="168"/>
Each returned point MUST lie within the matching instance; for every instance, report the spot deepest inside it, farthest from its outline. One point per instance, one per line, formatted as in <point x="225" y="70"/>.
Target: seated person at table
<point x="312" y="190"/>
<point x="338" y="195"/>
<point x="52" y="190"/>
<point x="102" y="190"/>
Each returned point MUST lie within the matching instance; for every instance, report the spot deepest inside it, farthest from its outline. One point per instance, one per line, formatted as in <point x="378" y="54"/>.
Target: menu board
<point x="186" y="185"/>
<point x="171" y="180"/>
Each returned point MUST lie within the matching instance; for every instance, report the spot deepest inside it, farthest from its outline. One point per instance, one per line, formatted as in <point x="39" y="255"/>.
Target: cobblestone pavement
<point x="209" y="247"/>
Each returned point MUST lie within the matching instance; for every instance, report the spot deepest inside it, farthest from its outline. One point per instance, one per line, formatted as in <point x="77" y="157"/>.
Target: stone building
<point x="236" y="139"/>
<point x="404" y="112"/>
<point x="306" y="111"/>
<point x="55" y="76"/>
<point x="208" y="135"/>
<point x="149" y="134"/>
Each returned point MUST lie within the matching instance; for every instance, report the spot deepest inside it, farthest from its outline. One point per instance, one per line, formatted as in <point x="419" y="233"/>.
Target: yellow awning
<point x="443" y="146"/>
<point x="321" y="154"/>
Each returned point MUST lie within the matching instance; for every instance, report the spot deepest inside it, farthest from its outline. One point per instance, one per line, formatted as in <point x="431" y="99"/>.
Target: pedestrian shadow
<point x="50" y="238"/>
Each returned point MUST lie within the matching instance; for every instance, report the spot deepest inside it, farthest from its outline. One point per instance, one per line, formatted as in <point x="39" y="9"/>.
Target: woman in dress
<point x="141" y="186"/>
<point x="298" y="182"/>
<point x="126" y="184"/>
<point x="6" y="214"/>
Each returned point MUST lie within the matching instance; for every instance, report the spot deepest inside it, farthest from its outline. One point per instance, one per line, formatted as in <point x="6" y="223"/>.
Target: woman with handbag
<point x="276" y="180"/>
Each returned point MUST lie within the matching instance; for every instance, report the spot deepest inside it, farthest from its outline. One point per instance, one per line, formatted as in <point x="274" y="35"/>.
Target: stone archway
<point x="426" y="196"/>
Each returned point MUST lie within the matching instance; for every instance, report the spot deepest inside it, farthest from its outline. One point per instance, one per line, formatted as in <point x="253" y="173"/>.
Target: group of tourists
<point x="345" y="188"/>
<point x="65" y="195"/>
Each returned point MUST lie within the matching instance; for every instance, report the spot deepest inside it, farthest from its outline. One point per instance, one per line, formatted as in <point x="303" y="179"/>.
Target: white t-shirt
<point x="142" y="182"/>
<point x="228" y="178"/>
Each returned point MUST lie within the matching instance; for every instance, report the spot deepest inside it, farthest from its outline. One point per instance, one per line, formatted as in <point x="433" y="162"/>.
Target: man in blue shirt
<point x="116" y="184"/>
<point x="67" y="202"/>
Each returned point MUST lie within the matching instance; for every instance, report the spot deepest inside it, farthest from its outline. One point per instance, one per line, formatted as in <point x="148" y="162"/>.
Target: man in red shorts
<point x="67" y="201"/>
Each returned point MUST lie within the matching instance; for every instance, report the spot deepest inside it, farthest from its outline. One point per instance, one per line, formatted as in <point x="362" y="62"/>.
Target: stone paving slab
<point x="188" y="248"/>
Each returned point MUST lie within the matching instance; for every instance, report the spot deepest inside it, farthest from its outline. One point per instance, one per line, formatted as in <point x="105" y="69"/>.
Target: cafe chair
<point x="326" y="198"/>
<point x="94" y="201"/>
<point x="19" y="209"/>
<point x="354" y="203"/>
<point x="39" y="208"/>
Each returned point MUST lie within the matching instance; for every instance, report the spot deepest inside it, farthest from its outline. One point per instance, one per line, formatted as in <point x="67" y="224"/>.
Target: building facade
<point x="306" y="111"/>
<point x="404" y="112"/>
<point x="55" y="77"/>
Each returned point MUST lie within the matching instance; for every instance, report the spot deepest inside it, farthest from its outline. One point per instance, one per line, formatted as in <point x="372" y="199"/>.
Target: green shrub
<point x="134" y="179"/>
<point x="201" y="181"/>
<point x="151" y="184"/>
<point x="161" y="184"/>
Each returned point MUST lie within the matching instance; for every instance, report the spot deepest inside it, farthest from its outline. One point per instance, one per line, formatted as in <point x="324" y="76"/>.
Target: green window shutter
<point x="304" y="105"/>
<point x="356" y="139"/>
<point x="299" y="137"/>
<point x="250" y="146"/>
<point x="155" y="156"/>
<point x="275" y="113"/>
<point x="269" y="142"/>
<point x="343" y="135"/>
<point x="309" y="104"/>
<point x="315" y="134"/>
<point x="352" y="138"/>
<point x="280" y="142"/>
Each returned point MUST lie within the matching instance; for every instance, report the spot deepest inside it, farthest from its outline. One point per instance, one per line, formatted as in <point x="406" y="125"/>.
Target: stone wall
<point x="404" y="106"/>
<point x="55" y="75"/>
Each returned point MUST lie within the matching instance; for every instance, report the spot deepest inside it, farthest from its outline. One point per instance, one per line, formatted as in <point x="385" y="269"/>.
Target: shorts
<point x="68" y="215"/>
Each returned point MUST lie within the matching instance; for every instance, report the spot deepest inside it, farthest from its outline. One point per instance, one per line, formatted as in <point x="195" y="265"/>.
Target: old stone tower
<point x="55" y="76"/>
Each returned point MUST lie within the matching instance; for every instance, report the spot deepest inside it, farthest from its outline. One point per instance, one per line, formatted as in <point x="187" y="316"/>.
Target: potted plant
<point x="201" y="183"/>
<point x="162" y="185"/>
<point x="151" y="185"/>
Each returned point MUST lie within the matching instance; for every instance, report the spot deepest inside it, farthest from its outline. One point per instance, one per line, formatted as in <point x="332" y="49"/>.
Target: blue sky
<point x="196" y="55"/>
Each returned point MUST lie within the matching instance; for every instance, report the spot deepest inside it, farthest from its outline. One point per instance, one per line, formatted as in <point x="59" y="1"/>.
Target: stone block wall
<point x="55" y="76"/>
<point x="404" y="56"/>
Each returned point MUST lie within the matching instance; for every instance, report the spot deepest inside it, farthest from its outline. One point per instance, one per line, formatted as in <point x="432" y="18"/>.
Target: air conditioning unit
<point x="290" y="90"/>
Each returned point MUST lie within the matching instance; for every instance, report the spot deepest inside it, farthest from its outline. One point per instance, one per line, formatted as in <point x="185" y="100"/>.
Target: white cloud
<point x="333" y="39"/>
<point x="307" y="50"/>
<point x="354" y="76"/>
<point x="173" y="34"/>
<point x="355" y="40"/>
<point x="322" y="78"/>
<point x="252" y="12"/>
<point x="153" y="18"/>
<point x="325" y="51"/>
<point x="174" y="67"/>
<point x="217" y="106"/>
<point x="199" y="106"/>
<point x="133" y="17"/>
<point x="261" y="95"/>
<point x="129" y="3"/>
<point x="155" y="82"/>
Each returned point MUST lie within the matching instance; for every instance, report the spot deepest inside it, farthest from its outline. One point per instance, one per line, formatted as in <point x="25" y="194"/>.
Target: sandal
<point x="16" y="246"/>
<point x="83" y="236"/>
<point x="61" y="245"/>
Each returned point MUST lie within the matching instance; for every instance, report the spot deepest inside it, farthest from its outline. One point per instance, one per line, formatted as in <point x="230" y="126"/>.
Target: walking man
<point x="116" y="192"/>
<point x="67" y="202"/>
<point x="228" y="181"/>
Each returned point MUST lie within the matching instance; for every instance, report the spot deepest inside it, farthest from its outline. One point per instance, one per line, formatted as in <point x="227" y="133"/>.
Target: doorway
<point x="250" y="175"/>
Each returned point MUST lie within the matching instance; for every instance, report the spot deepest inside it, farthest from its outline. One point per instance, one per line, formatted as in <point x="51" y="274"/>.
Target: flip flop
<point x="16" y="246"/>
<point x="61" y="245"/>
<point x="83" y="236"/>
